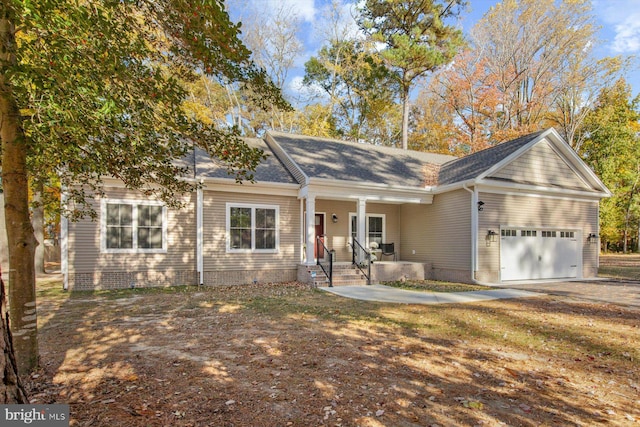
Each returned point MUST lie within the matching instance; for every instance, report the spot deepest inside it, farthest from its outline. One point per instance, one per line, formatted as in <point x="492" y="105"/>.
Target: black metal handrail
<point x="367" y="258"/>
<point x="329" y="274"/>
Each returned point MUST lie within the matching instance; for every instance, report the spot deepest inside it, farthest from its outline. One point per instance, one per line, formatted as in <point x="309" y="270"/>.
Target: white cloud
<point x="628" y="35"/>
<point x="622" y="19"/>
<point x="304" y="9"/>
<point x="301" y="95"/>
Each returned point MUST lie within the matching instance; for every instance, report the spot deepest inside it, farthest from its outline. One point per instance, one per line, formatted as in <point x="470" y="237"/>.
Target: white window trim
<point x="135" y="249"/>
<point x="366" y="227"/>
<point x="253" y="208"/>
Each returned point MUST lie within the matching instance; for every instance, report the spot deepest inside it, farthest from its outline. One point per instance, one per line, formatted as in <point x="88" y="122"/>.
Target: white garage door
<point x="538" y="254"/>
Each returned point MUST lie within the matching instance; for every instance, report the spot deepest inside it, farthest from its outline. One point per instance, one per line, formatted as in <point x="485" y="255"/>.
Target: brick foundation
<point x="129" y="279"/>
<point x="242" y="277"/>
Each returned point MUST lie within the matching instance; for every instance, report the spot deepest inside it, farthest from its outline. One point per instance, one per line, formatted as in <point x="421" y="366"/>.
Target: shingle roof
<point x="471" y="166"/>
<point x="269" y="170"/>
<point x="348" y="161"/>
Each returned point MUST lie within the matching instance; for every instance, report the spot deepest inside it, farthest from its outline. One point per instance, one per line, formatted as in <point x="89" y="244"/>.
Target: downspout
<point x="199" y="234"/>
<point x="303" y="250"/>
<point x="64" y="244"/>
<point x="199" y="221"/>
<point x="474" y="231"/>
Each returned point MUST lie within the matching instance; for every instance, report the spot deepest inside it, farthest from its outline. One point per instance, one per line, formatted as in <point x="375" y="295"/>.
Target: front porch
<point x="345" y="273"/>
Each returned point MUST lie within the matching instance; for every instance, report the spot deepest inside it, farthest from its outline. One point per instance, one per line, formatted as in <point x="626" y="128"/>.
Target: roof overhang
<point x="373" y="192"/>
<point x="489" y="185"/>
<point x="267" y="188"/>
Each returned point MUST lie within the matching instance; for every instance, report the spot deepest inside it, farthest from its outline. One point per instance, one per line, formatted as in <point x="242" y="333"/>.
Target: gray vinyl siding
<point x="541" y="166"/>
<point x="535" y="212"/>
<point x="84" y="241"/>
<point x="439" y="233"/>
<point x="215" y="253"/>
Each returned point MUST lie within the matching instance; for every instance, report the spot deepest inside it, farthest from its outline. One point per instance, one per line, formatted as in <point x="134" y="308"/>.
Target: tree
<point x="612" y="149"/>
<point x="91" y="89"/>
<point x="433" y="127"/>
<point x="11" y="389"/>
<point x="360" y="90"/>
<point x="415" y="38"/>
<point x="271" y="34"/>
<point x="530" y="65"/>
<point x="467" y="93"/>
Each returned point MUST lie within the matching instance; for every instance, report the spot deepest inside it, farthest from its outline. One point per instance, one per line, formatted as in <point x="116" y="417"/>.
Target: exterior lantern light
<point x="491" y="236"/>
<point x="592" y="238"/>
<point x="334" y="218"/>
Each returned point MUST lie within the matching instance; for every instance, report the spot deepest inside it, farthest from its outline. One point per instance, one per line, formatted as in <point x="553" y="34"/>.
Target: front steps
<point x="343" y="275"/>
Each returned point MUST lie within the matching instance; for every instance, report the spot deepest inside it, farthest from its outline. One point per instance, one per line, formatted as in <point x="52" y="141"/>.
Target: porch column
<point x="311" y="229"/>
<point x="361" y="213"/>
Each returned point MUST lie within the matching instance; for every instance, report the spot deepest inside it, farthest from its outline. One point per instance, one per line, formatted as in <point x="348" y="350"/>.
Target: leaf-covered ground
<point x="287" y="355"/>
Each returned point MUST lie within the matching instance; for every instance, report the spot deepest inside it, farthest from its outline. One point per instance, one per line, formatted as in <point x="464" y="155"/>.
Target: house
<point x="526" y="209"/>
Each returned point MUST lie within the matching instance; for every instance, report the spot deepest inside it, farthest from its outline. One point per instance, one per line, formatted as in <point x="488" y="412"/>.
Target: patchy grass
<point x="620" y="266"/>
<point x="435" y="286"/>
<point x="288" y="355"/>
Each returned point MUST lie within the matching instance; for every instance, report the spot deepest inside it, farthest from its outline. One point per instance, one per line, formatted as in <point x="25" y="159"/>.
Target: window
<point x="508" y="233"/>
<point x="548" y="233"/>
<point x="133" y="226"/>
<point x="567" y="234"/>
<point x="528" y="233"/>
<point x="252" y="228"/>
<point x="374" y="228"/>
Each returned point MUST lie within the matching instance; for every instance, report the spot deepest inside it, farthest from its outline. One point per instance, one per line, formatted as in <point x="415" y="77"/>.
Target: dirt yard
<point x="287" y="355"/>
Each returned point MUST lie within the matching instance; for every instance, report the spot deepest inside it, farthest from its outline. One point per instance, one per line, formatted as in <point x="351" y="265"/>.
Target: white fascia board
<point x="230" y="185"/>
<point x="524" y="189"/>
<point x="269" y="188"/>
<point x="365" y="185"/>
<point x="346" y="190"/>
<point x="439" y="189"/>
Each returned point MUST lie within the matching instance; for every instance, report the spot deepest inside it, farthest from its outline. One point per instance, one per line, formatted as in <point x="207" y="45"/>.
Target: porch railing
<point x="363" y="261"/>
<point x="326" y="269"/>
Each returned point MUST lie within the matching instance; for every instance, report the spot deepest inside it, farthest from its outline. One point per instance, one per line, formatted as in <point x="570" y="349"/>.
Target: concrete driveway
<point x="383" y="293"/>
<point x="622" y="292"/>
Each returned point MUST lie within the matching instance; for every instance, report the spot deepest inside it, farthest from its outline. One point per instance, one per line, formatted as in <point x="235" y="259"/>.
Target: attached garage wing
<point x="532" y="253"/>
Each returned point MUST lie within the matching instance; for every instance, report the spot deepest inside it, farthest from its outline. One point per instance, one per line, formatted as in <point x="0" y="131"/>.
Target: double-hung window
<point x="133" y="226"/>
<point x="252" y="228"/>
<point x="374" y="228"/>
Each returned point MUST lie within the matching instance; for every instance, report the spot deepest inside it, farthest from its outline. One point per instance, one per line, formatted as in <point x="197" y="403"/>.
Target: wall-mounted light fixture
<point x="480" y="204"/>
<point x="491" y="236"/>
<point x="592" y="238"/>
<point x="334" y="218"/>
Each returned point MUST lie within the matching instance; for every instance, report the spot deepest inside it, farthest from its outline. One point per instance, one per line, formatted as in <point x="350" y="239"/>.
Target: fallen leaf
<point x="511" y="372"/>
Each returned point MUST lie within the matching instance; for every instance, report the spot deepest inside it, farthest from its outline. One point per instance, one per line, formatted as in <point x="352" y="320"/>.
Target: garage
<point x="536" y="253"/>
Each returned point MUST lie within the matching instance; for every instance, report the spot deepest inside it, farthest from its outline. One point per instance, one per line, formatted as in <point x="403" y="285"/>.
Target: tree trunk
<point x="4" y="246"/>
<point x="37" y="219"/>
<point x="20" y="238"/>
<point x="405" y="120"/>
<point x="11" y="389"/>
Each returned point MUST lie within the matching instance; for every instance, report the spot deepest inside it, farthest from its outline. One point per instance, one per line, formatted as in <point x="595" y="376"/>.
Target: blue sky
<point x="619" y="21"/>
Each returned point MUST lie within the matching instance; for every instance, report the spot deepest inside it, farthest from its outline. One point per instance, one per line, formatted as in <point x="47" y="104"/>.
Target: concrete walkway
<point x="383" y="293"/>
<point x="612" y="291"/>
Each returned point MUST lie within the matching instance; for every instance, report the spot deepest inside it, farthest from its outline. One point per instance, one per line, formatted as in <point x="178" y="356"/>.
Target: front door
<point x="319" y="250"/>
